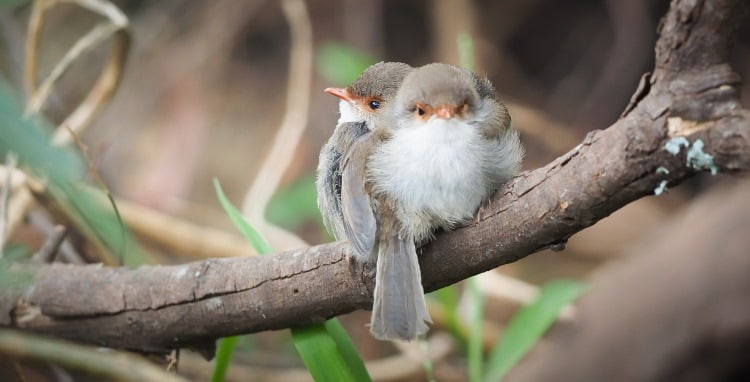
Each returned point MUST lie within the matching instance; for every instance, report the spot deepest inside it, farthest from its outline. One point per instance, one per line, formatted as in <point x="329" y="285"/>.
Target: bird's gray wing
<point x="358" y="218"/>
<point x="328" y="186"/>
<point x="328" y="182"/>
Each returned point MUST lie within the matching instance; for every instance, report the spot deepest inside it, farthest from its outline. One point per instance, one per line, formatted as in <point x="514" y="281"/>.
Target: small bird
<point x="362" y="105"/>
<point x="443" y="149"/>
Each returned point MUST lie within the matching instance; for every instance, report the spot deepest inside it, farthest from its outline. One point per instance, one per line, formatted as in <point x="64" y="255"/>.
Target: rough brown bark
<point x="691" y="94"/>
<point x="686" y="318"/>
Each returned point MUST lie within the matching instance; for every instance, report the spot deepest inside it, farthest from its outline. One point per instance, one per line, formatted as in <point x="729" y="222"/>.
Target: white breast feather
<point x="435" y="172"/>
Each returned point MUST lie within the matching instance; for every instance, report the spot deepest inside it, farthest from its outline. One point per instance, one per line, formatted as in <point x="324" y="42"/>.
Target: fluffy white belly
<point x="434" y="171"/>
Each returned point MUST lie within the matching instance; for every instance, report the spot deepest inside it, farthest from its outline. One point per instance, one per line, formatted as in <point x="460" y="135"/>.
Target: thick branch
<point x="675" y="310"/>
<point x="694" y="33"/>
<point x="162" y="307"/>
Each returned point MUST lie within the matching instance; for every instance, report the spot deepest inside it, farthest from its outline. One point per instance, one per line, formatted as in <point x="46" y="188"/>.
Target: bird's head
<point x="437" y="92"/>
<point x="369" y="96"/>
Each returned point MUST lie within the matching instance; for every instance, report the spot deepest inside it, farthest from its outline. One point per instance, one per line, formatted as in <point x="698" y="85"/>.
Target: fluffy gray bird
<point x="362" y="105"/>
<point x="446" y="146"/>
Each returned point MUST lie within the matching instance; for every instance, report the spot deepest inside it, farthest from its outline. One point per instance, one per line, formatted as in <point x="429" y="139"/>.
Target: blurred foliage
<point x="29" y="139"/>
<point x="529" y="325"/>
<point x="248" y="232"/>
<point x="341" y="65"/>
<point x="17" y="252"/>
<point x="295" y="204"/>
<point x="94" y="214"/>
<point x="14" y="277"/>
<point x="465" y="44"/>
<point x="447" y="298"/>
<point x="475" y="352"/>
<point x="63" y="171"/>
<point x="328" y="352"/>
<point x="12" y="3"/>
<point x="326" y="349"/>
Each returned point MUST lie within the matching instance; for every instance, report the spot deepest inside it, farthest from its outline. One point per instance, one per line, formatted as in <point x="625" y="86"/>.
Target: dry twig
<point x="99" y="94"/>
<point x="48" y="251"/>
<point x="292" y="126"/>
<point x="102" y="363"/>
<point x="116" y="26"/>
<point x="181" y="236"/>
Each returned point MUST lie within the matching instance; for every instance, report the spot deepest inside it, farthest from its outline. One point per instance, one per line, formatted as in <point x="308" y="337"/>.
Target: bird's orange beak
<point x="340" y="93"/>
<point x="445" y="112"/>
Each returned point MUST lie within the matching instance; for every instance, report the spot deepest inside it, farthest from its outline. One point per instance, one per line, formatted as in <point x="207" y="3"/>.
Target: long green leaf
<point x="528" y="326"/>
<point x="475" y="350"/>
<point x="324" y="356"/>
<point x="29" y="138"/>
<point x="224" y="352"/>
<point x="226" y="345"/>
<point x="448" y="299"/>
<point x="347" y="349"/>
<point x="325" y="349"/>
<point x="248" y="232"/>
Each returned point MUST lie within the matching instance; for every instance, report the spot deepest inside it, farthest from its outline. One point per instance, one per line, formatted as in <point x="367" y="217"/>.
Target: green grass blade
<point x="448" y="299"/>
<point x="29" y="139"/>
<point x="528" y="326"/>
<point x="347" y="349"/>
<point x="328" y="353"/>
<point x="465" y="50"/>
<point x="226" y="345"/>
<point x="475" y="350"/>
<point x="248" y="232"/>
<point x="325" y="349"/>
<point x="224" y="352"/>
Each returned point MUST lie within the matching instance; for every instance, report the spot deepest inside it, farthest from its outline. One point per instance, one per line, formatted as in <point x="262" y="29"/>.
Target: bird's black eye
<point x="420" y="111"/>
<point x="374" y="105"/>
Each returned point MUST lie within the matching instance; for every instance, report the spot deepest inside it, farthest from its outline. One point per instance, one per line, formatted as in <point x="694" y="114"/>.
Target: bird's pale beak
<point x="445" y="112"/>
<point x="340" y="93"/>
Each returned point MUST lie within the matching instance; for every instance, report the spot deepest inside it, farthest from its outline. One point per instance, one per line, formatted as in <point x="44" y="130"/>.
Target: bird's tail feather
<point x="399" y="310"/>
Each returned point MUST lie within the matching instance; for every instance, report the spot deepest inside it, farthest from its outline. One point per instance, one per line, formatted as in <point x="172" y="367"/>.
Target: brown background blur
<point x="204" y="92"/>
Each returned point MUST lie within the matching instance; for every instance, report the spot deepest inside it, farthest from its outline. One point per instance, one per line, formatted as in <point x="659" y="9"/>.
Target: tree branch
<point x="691" y="94"/>
<point x="686" y="318"/>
